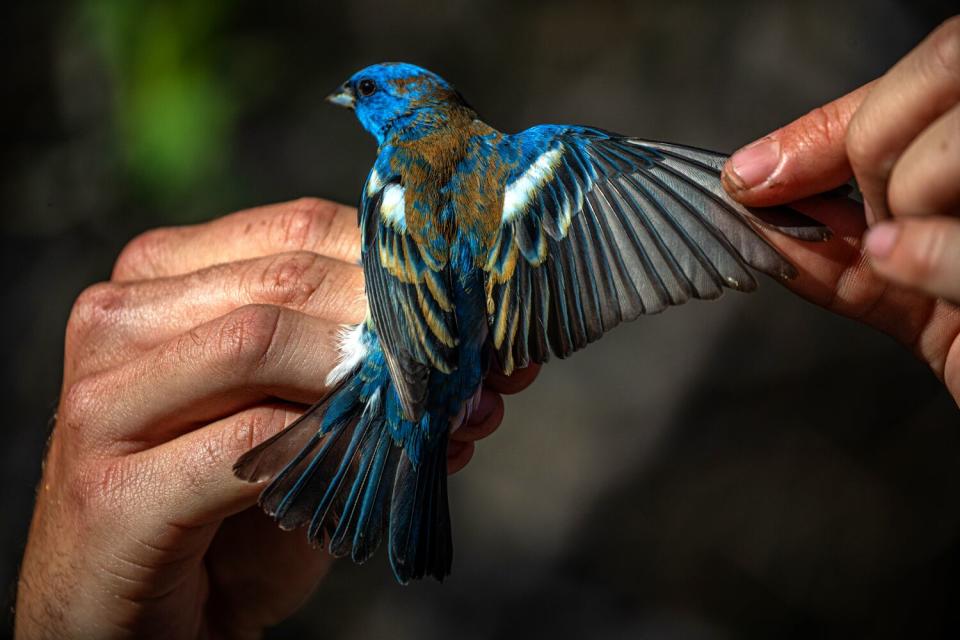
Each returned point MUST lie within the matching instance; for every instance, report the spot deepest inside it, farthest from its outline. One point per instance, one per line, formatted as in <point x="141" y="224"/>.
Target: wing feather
<point x="599" y="228"/>
<point x="408" y="292"/>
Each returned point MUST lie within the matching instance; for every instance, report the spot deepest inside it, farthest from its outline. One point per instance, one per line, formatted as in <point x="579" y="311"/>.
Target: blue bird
<point x="482" y="249"/>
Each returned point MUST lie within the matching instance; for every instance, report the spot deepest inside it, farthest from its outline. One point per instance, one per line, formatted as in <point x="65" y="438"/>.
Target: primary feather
<point x="486" y="249"/>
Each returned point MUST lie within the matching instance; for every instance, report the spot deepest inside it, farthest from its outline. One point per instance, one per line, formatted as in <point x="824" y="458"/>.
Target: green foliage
<point x="174" y="111"/>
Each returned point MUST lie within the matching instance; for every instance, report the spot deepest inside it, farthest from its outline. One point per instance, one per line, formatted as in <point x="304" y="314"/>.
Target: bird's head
<point x="395" y="95"/>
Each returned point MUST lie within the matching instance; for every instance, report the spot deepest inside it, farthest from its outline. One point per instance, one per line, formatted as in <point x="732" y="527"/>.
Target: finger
<point x="189" y="480"/>
<point x="251" y="354"/>
<point x="484" y="420"/>
<point x="515" y="382"/>
<point x="926" y="178"/>
<point x="307" y="224"/>
<point x="916" y="91"/>
<point x="837" y="276"/>
<point x="114" y="322"/>
<point x="806" y="157"/>
<point x="921" y="253"/>
<point x="165" y="506"/>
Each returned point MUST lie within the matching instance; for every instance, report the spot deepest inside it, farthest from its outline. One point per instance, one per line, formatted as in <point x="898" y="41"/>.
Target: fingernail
<point x="881" y="239"/>
<point x="484" y="408"/>
<point x="754" y="164"/>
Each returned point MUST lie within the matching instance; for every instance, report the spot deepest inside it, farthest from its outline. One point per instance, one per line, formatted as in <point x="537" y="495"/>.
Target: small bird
<point x="484" y="250"/>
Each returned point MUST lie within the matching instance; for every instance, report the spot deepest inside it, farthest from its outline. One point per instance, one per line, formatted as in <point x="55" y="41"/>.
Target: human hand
<point x="207" y="340"/>
<point x="900" y="137"/>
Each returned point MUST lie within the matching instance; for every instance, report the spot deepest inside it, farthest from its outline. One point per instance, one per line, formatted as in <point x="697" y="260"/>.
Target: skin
<point x="206" y="341"/>
<point x="209" y="339"/>
<point x="896" y="262"/>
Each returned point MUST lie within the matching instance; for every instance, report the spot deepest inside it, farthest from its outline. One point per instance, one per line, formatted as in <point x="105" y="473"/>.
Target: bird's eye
<point x="367" y="87"/>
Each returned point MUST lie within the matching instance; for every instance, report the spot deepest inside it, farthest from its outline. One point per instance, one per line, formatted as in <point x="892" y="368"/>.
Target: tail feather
<point x="294" y="494"/>
<point x="340" y="470"/>
<point x="420" y="537"/>
<point x="333" y="486"/>
<point x="373" y="515"/>
<point x="341" y="541"/>
<point x="292" y="498"/>
<point x="306" y="477"/>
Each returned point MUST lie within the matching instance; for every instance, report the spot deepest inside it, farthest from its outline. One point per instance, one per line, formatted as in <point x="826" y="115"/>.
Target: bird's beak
<point x="343" y="97"/>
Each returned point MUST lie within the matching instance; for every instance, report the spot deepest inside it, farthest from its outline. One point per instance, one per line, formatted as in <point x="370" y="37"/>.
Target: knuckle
<point x="223" y="447"/>
<point x="825" y="125"/>
<point x="253" y="427"/>
<point x="140" y="255"/>
<point x="80" y="403"/>
<point x="245" y="431"/>
<point x="945" y="41"/>
<point x="187" y="347"/>
<point x="99" y="305"/>
<point x="292" y="279"/>
<point x="196" y="475"/>
<point x="306" y="223"/>
<point x="97" y="484"/>
<point x="247" y="336"/>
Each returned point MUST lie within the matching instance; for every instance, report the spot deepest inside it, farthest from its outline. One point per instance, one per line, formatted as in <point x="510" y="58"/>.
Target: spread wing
<point x="599" y="228"/>
<point x="407" y="292"/>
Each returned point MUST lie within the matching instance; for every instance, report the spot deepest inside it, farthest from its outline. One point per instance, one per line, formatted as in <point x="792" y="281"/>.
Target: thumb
<point x="806" y="157"/>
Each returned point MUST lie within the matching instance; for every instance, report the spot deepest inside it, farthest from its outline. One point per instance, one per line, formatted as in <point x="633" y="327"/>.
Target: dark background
<point x="752" y="467"/>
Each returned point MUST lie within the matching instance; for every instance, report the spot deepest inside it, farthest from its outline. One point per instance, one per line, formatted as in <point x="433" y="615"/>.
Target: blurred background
<point x="752" y="467"/>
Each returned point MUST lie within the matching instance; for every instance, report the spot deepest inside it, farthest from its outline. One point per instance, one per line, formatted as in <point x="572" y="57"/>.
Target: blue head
<point x="395" y="95"/>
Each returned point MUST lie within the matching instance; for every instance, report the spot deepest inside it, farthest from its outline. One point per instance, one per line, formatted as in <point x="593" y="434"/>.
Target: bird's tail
<point x="340" y="470"/>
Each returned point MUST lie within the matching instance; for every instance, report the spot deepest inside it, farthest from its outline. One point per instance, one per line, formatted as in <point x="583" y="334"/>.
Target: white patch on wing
<point x="521" y="191"/>
<point x="374" y="183"/>
<point x="352" y="352"/>
<point x="391" y="206"/>
<point x="570" y="208"/>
